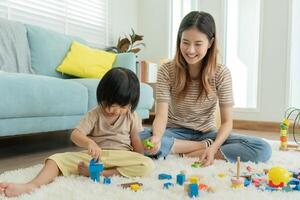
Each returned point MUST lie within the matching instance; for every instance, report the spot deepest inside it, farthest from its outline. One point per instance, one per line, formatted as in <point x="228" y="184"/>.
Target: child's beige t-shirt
<point x="117" y="136"/>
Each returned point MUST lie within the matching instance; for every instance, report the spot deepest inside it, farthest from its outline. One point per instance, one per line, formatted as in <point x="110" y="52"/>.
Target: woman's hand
<point x="208" y="156"/>
<point x="94" y="150"/>
<point x="156" y="141"/>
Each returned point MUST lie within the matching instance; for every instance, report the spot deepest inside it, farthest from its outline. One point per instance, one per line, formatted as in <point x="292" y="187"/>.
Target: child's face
<point x="116" y="110"/>
<point x="194" y="45"/>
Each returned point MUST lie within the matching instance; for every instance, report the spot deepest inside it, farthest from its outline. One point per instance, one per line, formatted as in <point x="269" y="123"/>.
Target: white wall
<point x="124" y="16"/>
<point x="274" y="69"/>
<point x="153" y="16"/>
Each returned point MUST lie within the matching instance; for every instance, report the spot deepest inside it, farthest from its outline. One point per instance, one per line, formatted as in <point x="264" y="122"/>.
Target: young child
<point x="109" y="132"/>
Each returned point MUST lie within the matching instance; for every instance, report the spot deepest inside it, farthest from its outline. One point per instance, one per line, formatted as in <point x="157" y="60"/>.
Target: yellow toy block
<point x="194" y="179"/>
<point x="135" y="187"/>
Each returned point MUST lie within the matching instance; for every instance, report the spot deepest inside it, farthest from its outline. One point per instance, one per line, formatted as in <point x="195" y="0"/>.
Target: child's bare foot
<point x="83" y="169"/>
<point x="13" y="189"/>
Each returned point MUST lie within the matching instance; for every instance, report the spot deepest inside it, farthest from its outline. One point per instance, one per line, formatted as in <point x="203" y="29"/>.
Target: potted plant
<point x="131" y="43"/>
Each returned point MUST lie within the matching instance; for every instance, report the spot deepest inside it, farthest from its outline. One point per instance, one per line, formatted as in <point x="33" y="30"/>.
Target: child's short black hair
<point x="119" y="86"/>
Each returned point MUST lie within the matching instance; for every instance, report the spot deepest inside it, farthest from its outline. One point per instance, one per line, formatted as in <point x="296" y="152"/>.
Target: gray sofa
<point x="34" y="96"/>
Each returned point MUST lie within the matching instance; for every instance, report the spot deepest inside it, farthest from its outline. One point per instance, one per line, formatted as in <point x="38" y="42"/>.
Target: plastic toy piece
<point x="193" y="190"/>
<point x="194" y="179"/>
<point x="127" y="185"/>
<point x="203" y="187"/>
<point x="106" y="180"/>
<point x="180" y="178"/>
<point x="221" y="175"/>
<point x="95" y="169"/>
<point x="287" y="189"/>
<point x="135" y="187"/>
<point x="247" y="182"/>
<point x="147" y="143"/>
<point x="284" y="126"/>
<point x="278" y="177"/>
<point x="164" y="176"/>
<point x="196" y="164"/>
<point x="168" y="184"/>
<point x="186" y="187"/>
<point x="237" y="182"/>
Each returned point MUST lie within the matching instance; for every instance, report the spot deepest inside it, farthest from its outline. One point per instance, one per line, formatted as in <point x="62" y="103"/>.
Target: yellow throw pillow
<point x="85" y="62"/>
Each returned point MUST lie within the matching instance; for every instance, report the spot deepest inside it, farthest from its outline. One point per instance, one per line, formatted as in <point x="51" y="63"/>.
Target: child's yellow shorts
<point x="128" y="163"/>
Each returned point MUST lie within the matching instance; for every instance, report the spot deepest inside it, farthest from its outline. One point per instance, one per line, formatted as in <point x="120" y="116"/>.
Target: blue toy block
<point x="168" y="184"/>
<point x="297" y="188"/>
<point x="247" y="182"/>
<point x="164" y="176"/>
<point x="106" y="180"/>
<point x="95" y="169"/>
<point x="294" y="181"/>
<point x="180" y="179"/>
<point x="269" y="188"/>
<point x="193" y="190"/>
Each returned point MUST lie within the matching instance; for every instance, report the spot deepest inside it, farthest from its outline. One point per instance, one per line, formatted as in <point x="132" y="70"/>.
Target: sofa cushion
<point x="14" y="48"/>
<point x="48" y="49"/>
<point x="146" y="97"/>
<point x="85" y="62"/>
<point x="26" y="95"/>
<point x="126" y="60"/>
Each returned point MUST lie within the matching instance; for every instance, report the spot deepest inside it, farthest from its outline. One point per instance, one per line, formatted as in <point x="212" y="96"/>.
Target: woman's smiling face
<point x="194" y="45"/>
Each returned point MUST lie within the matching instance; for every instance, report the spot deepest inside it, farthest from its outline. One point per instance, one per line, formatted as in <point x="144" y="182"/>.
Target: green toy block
<point x="148" y="143"/>
<point x="196" y="164"/>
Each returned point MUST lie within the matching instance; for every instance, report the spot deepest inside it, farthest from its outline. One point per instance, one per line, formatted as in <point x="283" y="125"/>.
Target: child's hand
<point x="94" y="150"/>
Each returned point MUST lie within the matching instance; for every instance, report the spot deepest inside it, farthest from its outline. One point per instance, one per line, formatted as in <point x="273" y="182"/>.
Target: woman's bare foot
<point x="13" y="189"/>
<point x="83" y="169"/>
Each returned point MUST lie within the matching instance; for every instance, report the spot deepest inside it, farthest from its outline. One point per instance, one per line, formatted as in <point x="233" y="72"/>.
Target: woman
<point x="188" y="91"/>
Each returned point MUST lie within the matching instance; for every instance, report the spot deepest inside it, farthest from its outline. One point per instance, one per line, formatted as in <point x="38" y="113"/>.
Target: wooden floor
<point x="25" y="151"/>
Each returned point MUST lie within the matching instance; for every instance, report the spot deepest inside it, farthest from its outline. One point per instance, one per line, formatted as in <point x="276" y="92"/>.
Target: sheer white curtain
<point x="179" y="8"/>
<point x="87" y="19"/>
<point x="242" y="50"/>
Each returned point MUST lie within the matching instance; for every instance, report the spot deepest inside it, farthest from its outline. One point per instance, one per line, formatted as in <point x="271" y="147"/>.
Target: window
<point x="86" y="19"/>
<point x="295" y="59"/>
<point x="179" y="8"/>
<point x="242" y="50"/>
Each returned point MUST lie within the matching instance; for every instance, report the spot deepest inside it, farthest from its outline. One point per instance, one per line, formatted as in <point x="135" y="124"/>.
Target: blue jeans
<point x="248" y="148"/>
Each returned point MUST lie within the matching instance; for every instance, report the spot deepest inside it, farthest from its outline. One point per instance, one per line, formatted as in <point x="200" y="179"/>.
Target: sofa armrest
<point x="126" y="60"/>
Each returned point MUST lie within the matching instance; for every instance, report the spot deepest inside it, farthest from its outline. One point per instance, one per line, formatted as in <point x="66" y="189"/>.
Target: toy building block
<point x="287" y="189"/>
<point x="297" y="188"/>
<point x="106" y="180"/>
<point x="196" y="164"/>
<point x="237" y="182"/>
<point x="135" y="187"/>
<point x="210" y="189"/>
<point x="194" y="179"/>
<point x="180" y="179"/>
<point x="203" y="187"/>
<point x="247" y="182"/>
<point x="168" y="184"/>
<point x="278" y="177"/>
<point x="193" y="190"/>
<point x="221" y="175"/>
<point x="95" y="169"/>
<point x="284" y="126"/>
<point x="163" y="176"/>
<point x="186" y="187"/>
<point x="147" y="143"/>
<point x="127" y="185"/>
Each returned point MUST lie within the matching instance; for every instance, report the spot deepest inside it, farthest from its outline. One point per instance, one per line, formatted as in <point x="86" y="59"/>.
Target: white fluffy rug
<point x="82" y="188"/>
